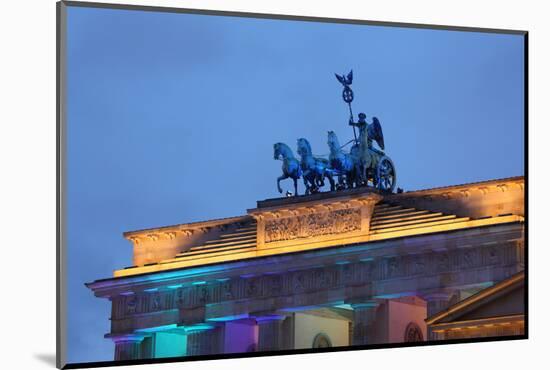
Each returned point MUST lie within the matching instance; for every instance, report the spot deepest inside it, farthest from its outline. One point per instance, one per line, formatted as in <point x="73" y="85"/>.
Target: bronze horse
<point x="315" y="169"/>
<point x="291" y="166"/>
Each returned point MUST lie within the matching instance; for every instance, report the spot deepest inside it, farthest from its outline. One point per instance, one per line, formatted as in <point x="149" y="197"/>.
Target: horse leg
<point x="312" y="185"/>
<point x="351" y="180"/>
<point x="359" y="175"/>
<point x="319" y="178"/>
<point x="339" y="185"/>
<point x="282" y="177"/>
<point x="295" y="186"/>
<point x="331" y="180"/>
<point x="304" y="177"/>
<point x="318" y="181"/>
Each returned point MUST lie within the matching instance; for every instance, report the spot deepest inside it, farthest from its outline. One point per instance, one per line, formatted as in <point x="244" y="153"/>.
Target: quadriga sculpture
<point x="291" y="166"/>
<point x="364" y="165"/>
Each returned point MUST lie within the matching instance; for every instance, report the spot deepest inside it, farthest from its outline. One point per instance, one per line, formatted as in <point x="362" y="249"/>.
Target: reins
<point x="341" y="147"/>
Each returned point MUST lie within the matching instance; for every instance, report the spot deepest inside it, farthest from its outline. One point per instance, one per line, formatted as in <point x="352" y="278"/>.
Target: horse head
<point x="276" y="151"/>
<point x="304" y="149"/>
<point x="332" y="141"/>
<point x="281" y="151"/>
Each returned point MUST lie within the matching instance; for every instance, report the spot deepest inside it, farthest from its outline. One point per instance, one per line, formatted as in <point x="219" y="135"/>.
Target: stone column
<point x="437" y="302"/>
<point x="147" y="347"/>
<point x="364" y="318"/>
<point x="207" y="340"/>
<point x="128" y="347"/>
<point x="270" y="332"/>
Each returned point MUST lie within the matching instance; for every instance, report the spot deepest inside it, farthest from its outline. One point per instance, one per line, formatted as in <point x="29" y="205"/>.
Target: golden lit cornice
<point x="482" y="187"/>
<point x="186" y="229"/>
<point x="311" y="244"/>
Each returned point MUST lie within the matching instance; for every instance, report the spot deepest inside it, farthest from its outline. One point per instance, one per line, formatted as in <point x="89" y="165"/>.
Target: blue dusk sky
<point x="172" y="119"/>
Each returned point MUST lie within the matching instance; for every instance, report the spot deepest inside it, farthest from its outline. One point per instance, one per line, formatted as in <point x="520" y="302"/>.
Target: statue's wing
<point x="381" y="139"/>
<point x="375" y="131"/>
<point x="350" y="77"/>
<point x="340" y="78"/>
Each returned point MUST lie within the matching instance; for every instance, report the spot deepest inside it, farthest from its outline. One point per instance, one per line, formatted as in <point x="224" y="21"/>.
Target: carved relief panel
<point x="309" y="225"/>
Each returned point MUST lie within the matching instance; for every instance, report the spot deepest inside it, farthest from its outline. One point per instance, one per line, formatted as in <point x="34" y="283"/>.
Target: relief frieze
<point x="316" y="224"/>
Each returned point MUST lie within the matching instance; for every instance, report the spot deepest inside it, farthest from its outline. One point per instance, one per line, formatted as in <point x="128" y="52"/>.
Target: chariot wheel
<point x="386" y="177"/>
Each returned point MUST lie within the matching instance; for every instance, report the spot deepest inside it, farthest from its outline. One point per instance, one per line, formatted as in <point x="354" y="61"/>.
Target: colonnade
<point x="274" y="331"/>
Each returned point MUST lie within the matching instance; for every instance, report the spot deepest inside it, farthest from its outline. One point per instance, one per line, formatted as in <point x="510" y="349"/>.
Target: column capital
<point x="364" y="318"/>
<point x="272" y="335"/>
<point x="268" y="318"/>
<point x="359" y="303"/>
<point x="132" y="337"/>
<point x="205" y="339"/>
<point x="195" y="328"/>
<point x="127" y="346"/>
<point x="438" y="300"/>
<point x="437" y="295"/>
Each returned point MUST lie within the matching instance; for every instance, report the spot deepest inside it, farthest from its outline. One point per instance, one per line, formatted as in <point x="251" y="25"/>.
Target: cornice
<point x="186" y="228"/>
<point x="465" y="190"/>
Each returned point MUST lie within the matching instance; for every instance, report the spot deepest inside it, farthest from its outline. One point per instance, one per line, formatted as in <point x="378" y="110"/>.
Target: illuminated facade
<point x="352" y="267"/>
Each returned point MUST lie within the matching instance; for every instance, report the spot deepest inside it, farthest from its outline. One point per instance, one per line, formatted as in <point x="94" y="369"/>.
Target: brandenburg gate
<point x="345" y="268"/>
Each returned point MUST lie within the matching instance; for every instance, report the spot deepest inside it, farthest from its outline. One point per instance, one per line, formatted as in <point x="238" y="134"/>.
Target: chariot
<point x="381" y="172"/>
<point x="364" y="165"/>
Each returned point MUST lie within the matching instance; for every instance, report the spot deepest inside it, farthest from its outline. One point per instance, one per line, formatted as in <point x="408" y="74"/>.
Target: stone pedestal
<point x="364" y="317"/>
<point x="128" y="347"/>
<point x="270" y="333"/>
<point x="205" y="341"/>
